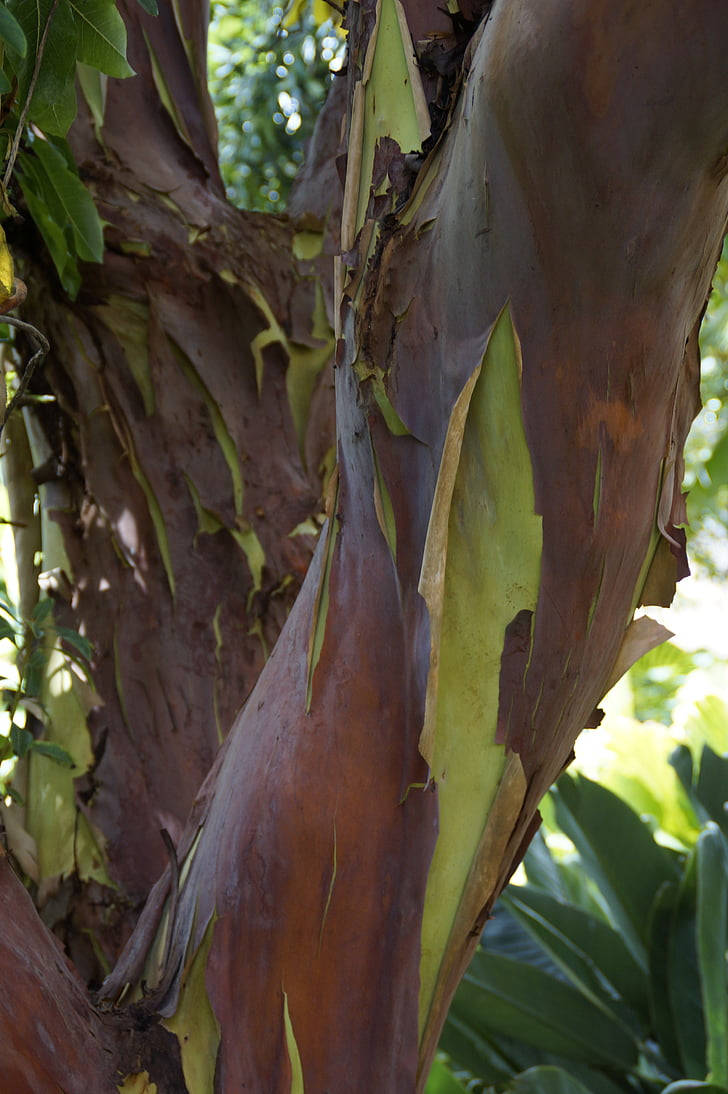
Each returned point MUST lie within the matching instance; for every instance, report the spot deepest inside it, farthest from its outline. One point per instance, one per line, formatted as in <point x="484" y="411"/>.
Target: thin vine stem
<point x="42" y="346"/>
<point x="26" y="105"/>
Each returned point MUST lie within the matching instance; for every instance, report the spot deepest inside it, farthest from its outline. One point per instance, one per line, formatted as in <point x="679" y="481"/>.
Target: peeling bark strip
<point x="516" y="318"/>
<point x="481" y="566"/>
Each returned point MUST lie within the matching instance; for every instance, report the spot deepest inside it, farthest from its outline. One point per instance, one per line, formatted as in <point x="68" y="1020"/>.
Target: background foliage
<point x="269" y="76"/>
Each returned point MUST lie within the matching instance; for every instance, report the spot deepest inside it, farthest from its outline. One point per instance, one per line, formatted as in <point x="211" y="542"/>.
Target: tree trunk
<point x="516" y="316"/>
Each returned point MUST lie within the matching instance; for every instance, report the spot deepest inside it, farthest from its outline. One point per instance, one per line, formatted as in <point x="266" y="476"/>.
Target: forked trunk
<point x="516" y="317"/>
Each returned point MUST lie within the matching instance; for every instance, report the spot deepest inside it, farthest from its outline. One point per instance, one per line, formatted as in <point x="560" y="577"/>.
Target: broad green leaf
<point x="709" y="723"/>
<point x="660" y="935"/>
<point x="491" y="1060"/>
<point x="53" y="752"/>
<point x="507" y="997"/>
<point x="150" y="6"/>
<point x="589" y="951"/>
<point x="541" y="869"/>
<point x="56" y="116"/>
<point x="547" y="1080"/>
<point x="53" y="236"/>
<point x="442" y="1081"/>
<point x="684" y="975"/>
<point x="5" y="84"/>
<point x="11" y="32"/>
<point x="7" y="630"/>
<point x="53" y="107"/>
<point x="711" y="789"/>
<point x="712" y="901"/>
<point x="495" y="1058"/>
<point x="70" y="202"/>
<point x="601" y="826"/>
<point x="101" y="36"/>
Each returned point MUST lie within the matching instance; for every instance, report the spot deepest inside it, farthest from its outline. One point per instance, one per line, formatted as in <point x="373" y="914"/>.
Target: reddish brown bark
<point x="583" y="180"/>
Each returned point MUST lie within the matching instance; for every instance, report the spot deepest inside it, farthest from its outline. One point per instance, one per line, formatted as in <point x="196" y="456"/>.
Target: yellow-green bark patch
<point x="307" y="245"/>
<point x="383" y="506"/>
<point x="321" y="607"/>
<point x="194" y="1022"/>
<point x="219" y="425"/>
<point x="293" y="1054"/>
<point x="138" y="1084"/>
<point x="128" y="320"/>
<point x="304" y="365"/>
<point x="481" y="567"/>
<point x="394" y="103"/>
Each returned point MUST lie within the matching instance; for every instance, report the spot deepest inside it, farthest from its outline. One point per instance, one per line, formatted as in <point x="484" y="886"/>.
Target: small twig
<point x="26" y="105"/>
<point x="42" y="347"/>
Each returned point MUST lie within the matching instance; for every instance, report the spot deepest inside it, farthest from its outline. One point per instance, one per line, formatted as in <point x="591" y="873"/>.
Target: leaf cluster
<point x="606" y="972"/>
<point x="22" y="671"/>
<point x="44" y="46"/>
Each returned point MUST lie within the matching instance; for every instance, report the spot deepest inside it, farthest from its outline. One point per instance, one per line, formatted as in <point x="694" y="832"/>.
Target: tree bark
<point x="516" y="371"/>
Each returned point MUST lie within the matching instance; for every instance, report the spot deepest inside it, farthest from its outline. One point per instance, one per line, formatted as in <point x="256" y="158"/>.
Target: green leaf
<point x="79" y="643"/>
<point x="602" y="826"/>
<point x="442" y="1081"/>
<point x="541" y="869"/>
<point x="708" y="724"/>
<point x="684" y="976"/>
<point x="21" y="740"/>
<point x="42" y="611"/>
<point x="502" y="996"/>
<point x="663" y="1019"/>
<point x="17" y="798"/>
<point x="150" y="6"/>
<point x="547" y="1080"/>
<point x="53" y="106"/>
<point x="69" y="202"/>
<point x="711" y="789"/>
<point x="53" y="236"/>
<point x="712" y="906"/>
<point x="5" y="84"/>
<point x="33" y="674"/>
<point x="7" y="630"/>
<point x="101" y="36"/>
<point x="7" y="605"/>
<point x="11" y="32"/>
<point x="53" y="752"/>
<point x="588" y="950"/>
